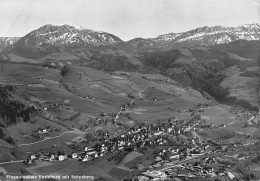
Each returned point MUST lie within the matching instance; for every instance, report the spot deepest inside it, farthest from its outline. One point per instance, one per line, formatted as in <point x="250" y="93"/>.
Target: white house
<point x="231" y="175"/>
<point x="33" y="157"/>
<point x="175" y="157"/>
<point x="74" y="155"/>
<point x="62" y="157"/>
<point x="86" y="158"/>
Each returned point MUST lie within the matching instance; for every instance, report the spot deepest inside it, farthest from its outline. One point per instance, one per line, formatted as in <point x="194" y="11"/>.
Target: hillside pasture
<point x="49" y="145"/>
<point x="99" y="168"/>
<point x="217" y="115"/>
<point x="25" y="73"/>
<point x="213" y="134"/>
<point x="20" y="130"/>
<point x="245" y="88"/>
<point x="5" y="155"/>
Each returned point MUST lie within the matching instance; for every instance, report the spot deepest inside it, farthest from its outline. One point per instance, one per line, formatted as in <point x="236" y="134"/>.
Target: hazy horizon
<point x="125" y="19"/>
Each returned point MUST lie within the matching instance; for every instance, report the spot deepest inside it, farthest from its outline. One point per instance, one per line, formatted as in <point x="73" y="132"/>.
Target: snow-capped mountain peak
<point x="204" y="36"/>
<point x="67" y="34"/>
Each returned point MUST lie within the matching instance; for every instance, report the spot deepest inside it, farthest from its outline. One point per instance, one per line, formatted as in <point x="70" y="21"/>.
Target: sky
<point x="126" y="19"/>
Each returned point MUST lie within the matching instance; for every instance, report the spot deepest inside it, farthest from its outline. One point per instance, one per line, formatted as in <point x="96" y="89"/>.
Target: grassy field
<point x="128" y="158"/>
<point x="21" y="129"/>
<point x="217" y="115"/>
<point x="212" y="134"/>
<point x="14" y="168"/>
<point x="5" y="155"/>
<point x="47" y="145"/>
<point x="245" y="88"/>
<point x="99" y="168"/>
<point x="25" y="73"/>
<point x="256" y="171"/>
<point x="57" y="94"/>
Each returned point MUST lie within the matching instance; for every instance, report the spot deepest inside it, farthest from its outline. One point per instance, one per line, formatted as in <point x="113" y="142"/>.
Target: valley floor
<point x="124" y="125"/>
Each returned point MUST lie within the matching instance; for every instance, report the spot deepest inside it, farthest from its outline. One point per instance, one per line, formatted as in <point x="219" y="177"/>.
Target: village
<point x="177" y="150"/>
<point x="183" y="143"/>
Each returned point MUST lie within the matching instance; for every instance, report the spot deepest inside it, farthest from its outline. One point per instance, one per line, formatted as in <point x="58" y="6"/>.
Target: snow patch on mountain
<point x="67" y="34"/>
<point x="203" y="36"/>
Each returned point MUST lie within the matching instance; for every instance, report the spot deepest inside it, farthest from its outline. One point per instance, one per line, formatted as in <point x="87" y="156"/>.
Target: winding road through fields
<point x="140" y="96"/>
<point x="17" y="161"/>
<point x="66" y="132"/>
<point x="28" y="144"/>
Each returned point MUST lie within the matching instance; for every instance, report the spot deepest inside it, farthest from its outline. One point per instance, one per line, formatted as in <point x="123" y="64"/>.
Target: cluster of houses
<point x="41" y="131"/>
<point x="181" y="152"/>
<point x="164" y="135"/>
<point x="142" y="136"/>
<point x="240" y="112"/>
<point x="201" y="168"/>
<point x="194" y="161"/>
<point x="118" y="73"/>
<point x="197" y="171"/>
<point x="89" y="97"/>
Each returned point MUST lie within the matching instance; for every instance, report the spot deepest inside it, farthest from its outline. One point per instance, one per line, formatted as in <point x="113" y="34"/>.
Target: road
<point x="17" y="161"/>
<point x="232" y="122"/>
<point x="249" y="121"/>
<point x="117" y="116"/>
<point x="232" y="117"/>
<point x="140" y="96"/>
<point x="27" y="135"/>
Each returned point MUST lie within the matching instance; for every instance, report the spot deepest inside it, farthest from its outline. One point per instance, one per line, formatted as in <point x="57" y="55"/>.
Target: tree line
<point x="211" y="85"/>
<point x="11" y="109"/>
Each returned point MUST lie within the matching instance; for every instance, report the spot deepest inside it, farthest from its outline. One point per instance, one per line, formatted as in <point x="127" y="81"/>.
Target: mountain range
<point x="201" y="36"/>
<point x="55" y="35"/>
<point x="194" y="58"/>
<point x="66" y="34"/>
